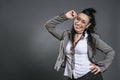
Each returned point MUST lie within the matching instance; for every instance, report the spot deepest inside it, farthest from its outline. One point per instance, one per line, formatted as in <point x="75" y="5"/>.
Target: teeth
<point x="77" y="27"/>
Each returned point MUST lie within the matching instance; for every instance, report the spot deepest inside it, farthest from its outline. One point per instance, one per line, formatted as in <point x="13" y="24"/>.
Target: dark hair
<point x="91" y="29"/>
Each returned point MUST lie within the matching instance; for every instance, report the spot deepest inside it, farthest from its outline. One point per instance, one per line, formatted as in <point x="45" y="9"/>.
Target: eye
<point x="83" y="21"/>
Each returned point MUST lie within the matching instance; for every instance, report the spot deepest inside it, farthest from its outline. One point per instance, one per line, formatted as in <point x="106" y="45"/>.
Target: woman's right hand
<point x="71" y="14"/>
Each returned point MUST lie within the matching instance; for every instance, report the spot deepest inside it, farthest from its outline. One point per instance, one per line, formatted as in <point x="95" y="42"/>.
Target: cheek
<point x="84" y="25"/>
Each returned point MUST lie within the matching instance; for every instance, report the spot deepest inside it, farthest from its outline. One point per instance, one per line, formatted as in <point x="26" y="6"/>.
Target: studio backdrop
<point x="29" y="52"/>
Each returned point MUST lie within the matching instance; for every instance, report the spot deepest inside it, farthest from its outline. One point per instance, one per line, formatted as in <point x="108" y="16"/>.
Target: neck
<point x="79" y="32"/>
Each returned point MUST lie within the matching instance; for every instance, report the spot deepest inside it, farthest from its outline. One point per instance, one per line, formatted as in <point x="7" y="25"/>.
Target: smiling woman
<point x="78" y="46"/>
<point x="81" y="23"/>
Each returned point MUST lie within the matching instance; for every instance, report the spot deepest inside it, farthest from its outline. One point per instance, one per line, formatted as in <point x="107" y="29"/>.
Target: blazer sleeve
<point x="52" y="23"/>
<point x="107" y="50"/>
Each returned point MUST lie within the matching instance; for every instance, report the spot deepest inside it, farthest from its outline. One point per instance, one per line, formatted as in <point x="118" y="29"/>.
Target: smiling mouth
<point x="78" y="27"/>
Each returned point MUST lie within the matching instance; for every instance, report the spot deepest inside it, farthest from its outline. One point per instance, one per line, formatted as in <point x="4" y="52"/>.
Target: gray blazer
<point x="63" y="36"/>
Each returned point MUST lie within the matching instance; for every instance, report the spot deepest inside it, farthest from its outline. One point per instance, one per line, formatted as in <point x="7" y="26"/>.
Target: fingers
<point x="71" y="14"/>
<point x="94" y="68"/>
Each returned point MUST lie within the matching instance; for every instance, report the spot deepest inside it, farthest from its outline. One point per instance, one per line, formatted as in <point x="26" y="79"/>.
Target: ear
<point x="88" y="25"/>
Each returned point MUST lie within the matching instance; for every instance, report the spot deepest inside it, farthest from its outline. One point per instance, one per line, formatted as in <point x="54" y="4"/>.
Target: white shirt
<point x="82" y="63"/>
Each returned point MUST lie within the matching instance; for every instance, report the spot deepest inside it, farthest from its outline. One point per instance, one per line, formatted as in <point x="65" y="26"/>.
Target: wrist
<point x="63" y="16"/>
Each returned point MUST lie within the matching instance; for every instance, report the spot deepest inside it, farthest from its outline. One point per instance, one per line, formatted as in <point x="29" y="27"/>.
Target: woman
<point x="78" y="46"/>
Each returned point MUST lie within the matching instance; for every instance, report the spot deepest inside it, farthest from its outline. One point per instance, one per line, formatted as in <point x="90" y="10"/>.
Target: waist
<point x="88" y="75"/>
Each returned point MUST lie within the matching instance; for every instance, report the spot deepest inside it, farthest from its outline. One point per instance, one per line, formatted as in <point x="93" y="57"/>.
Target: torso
<point x="81" y="59"/>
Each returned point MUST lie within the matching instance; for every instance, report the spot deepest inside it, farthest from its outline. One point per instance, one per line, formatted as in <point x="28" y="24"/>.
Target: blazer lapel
<point x="66" y="39"/>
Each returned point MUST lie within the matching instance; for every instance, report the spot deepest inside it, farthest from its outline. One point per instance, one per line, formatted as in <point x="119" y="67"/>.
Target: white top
<point x="82" y="63"/>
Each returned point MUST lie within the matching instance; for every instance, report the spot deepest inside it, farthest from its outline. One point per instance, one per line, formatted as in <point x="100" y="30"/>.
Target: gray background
<point x="29" y="52"/>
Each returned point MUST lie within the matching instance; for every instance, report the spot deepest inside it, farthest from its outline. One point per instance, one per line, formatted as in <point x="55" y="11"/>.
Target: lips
<point x="78" y="27"/>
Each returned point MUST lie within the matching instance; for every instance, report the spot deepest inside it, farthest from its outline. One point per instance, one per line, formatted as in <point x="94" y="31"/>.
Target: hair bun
<point x="91" y="10"/>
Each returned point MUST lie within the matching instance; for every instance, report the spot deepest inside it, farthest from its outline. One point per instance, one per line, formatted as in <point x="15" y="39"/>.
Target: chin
<point x="76" y="30"/>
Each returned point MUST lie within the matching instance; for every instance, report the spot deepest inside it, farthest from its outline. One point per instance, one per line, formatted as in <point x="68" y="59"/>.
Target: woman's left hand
<point x="94" y="68"/>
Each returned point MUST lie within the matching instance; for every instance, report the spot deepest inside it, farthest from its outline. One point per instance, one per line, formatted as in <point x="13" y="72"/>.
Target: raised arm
<point x="52" y="23"/>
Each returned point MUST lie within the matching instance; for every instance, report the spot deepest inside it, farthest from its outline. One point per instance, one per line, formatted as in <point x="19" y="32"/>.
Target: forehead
<point x="83" y="16"/>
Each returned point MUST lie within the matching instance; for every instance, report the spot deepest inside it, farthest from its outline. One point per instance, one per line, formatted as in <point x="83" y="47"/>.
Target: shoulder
<point x="95" y="35"/>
